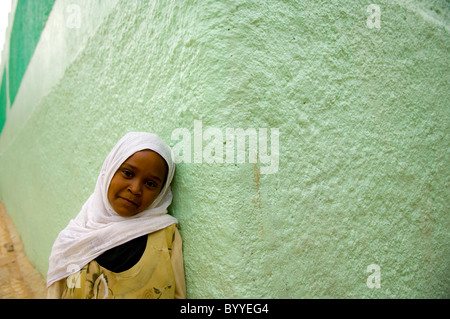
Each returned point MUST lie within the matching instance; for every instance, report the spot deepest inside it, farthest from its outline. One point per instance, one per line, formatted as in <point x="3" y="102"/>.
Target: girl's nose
<point x="135" y="188"/>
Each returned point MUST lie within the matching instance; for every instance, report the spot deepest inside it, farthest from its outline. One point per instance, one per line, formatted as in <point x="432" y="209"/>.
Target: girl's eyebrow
<point x="137" y="169"/>
<point x="131" y="166"/>
<point x="156" y="177"/>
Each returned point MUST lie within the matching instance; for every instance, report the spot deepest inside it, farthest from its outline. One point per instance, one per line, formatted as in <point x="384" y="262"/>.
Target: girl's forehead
<point x="146" y="160"/>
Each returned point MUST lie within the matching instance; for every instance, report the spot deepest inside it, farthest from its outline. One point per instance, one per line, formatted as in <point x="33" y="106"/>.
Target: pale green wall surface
<point x="363" y="115"/>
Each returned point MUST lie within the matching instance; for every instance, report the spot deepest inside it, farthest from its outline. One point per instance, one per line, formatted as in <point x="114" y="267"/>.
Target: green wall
<point x="29" y="21"/>
<point x="3" y="100"/>
<point x="363" y="116"/>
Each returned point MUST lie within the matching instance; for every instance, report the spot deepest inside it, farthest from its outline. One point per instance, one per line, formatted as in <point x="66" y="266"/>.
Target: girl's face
<point x="137" y="183"/>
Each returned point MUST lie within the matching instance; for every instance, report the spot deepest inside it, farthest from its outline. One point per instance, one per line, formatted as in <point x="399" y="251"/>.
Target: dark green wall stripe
<point x="29" y="21"/>
<point x="3" y="103"/>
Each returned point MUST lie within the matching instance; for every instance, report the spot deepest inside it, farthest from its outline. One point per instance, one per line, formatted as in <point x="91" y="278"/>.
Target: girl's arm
<point x="178" y="266"/>
<point x="56" y="289"/>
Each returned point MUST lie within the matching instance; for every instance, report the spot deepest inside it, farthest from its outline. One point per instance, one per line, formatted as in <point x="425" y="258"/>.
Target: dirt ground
<point x="18" y="277"/>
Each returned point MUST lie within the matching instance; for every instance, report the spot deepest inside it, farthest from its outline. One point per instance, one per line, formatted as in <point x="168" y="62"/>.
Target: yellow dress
<point x="159" y="274"/>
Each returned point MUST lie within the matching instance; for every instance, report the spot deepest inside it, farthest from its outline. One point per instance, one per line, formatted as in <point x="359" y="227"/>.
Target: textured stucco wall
<point x="363" y="116"/>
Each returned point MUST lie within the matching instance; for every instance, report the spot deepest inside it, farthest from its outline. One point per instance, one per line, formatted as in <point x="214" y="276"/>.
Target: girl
<point x="123" y="244"/>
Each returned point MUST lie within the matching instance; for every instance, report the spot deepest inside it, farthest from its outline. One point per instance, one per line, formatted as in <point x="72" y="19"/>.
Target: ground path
<point x="18" y="277"/>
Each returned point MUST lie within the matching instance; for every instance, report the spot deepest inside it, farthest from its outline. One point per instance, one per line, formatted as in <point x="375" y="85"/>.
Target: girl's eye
<point x="127" y="173"/>
<point x="151" y="184"/>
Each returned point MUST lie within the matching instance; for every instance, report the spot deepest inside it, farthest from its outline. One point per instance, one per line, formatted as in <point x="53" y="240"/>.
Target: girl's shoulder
<point x="164" y="236"/>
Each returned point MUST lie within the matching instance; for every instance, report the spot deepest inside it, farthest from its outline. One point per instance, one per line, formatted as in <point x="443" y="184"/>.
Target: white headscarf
<point x="98" y="227"/>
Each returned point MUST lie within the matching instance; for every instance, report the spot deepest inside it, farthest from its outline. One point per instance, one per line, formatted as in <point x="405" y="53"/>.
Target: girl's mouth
<point x="129" y="201"/>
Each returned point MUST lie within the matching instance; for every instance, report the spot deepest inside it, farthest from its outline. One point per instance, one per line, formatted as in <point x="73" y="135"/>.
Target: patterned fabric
<point x="152" y="277"/>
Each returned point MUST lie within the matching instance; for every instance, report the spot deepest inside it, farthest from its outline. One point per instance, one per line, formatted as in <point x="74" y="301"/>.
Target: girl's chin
<point x="126" y="209"/>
